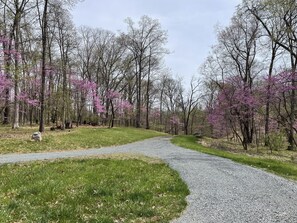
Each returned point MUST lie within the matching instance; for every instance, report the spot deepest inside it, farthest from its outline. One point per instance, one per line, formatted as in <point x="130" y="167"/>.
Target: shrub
<point x="277" y="141"/>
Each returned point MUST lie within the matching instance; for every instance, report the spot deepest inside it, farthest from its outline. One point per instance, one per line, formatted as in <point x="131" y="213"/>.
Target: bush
<point x="277" y="141"/>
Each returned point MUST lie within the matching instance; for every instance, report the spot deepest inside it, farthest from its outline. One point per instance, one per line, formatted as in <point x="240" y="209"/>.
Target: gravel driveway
<point x="221" y="190"/>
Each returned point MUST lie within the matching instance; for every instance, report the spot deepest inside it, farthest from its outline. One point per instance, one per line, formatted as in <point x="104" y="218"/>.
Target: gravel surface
<point x="221" y="190"/>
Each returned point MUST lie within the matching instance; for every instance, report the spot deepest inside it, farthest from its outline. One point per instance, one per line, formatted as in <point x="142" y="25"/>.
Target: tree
<point x="6" y="45"/>
<point x="65" y="38"/>
<point x="278" y="18"/>
<point x="88" y="65"/>
<point x="16" y="8"/>
<point x="234" y="60"/>
<point x="111" y="54"/>
<point x="153" y="66"/>
<point x="239" y="42"/>
<point x="230" y="108"/>
<point x="141" y="41"/>
<point x="5" y="83"/>
<point x="189" y="102"/>
<point x="44" y="47"/>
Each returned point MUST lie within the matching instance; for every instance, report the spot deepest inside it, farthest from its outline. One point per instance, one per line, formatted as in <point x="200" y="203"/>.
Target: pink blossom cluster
<point x="280" y="84"/>
<point x="174" y="120"/>
<point x="155" y="113"/>
<point x="5" y="83"/>
<point x="83" y="85"/>
<point x="235" y="101"/>
<point x="89" y="90"/>
<point x="98" y="104"/>
<point x="4" y="80"/>
<point x="111" y="94"/>
<point x="238" y="101"/>
<point x="3" y="39"/>
<point x="24" y="97"/>
<point x="123" y="106"/>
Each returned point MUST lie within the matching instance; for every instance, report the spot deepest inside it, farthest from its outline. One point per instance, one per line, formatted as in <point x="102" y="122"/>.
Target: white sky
<point x="190" y="25"/>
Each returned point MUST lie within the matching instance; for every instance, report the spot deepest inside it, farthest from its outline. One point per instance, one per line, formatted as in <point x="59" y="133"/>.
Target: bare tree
<point x="65" y="38"/>
<point x="44" y="46"/>
<point x="189" y="102"/>
<point x="139" y="40"/>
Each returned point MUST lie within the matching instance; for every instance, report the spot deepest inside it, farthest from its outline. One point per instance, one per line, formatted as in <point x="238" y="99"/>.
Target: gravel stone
<point x="220" y="189"/>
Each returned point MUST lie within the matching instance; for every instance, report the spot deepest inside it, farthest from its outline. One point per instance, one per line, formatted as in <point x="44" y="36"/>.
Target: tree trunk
<point x="291" y="140"/>
<point x="7" y="62"/>
<point x="267" y="108"/>
<point x="16" y="104"/>
<point x="44" y="42"/>
<point x="138" y="96"/>
<point x="111" y="124"/>
<point x="148" y="93"/>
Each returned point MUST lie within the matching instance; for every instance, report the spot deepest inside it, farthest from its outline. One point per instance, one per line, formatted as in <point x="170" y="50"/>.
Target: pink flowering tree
<point x="5" y="85"/>
<point x="12" y="60"/>
<point x="235" y="108"/>
<point x="124" y="108"/>
<point x="99" y="107"/>
<point x="154" y="115"/>
<point x="27" y="99"/>
<point x="86" y="92"/>
<point x="112" y="97"/>
<point x="282" y="98"/>
<point x="175" y="123"/>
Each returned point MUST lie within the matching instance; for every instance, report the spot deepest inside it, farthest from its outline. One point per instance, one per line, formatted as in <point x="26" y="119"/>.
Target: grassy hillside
<point x="13" y="141"/>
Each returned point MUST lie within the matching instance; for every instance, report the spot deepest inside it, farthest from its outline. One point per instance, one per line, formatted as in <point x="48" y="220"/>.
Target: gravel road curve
<point x="220" y="190"/>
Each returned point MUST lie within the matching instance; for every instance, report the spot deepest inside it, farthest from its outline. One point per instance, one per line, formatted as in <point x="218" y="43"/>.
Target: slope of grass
<point x="282" y="168"/>
<point x="91" y="190"/>
<point x="79" y="138"/>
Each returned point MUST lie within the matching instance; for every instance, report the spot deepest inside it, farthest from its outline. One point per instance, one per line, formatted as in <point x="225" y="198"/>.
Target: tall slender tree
<point x="139" y="40"/>
<point x="43" y="66"/>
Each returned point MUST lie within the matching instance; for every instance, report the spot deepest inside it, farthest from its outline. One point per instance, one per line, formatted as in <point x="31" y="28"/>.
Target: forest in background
<point x="250" y="75"/>
<point x="53" y="73"/>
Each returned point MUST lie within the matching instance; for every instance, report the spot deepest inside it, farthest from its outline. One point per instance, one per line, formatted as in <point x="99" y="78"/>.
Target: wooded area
<point x="53" y="73"/>
<point x="251" y="74"/>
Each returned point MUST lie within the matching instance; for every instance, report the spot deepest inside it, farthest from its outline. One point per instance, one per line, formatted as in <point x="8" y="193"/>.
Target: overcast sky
<point x="190" y="25"/>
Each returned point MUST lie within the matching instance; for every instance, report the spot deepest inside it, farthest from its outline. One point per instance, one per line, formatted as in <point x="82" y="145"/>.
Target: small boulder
<point x="36" y="136"/>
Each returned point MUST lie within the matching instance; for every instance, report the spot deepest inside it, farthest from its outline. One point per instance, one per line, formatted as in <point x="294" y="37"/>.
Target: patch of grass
<point x="260" y="151"/>
<point x="282" y="168"/>
<point x="19" y="140"/>
<point x="91" y="190"/>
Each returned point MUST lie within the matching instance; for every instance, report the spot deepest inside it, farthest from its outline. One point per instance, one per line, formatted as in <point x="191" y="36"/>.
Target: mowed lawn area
<point x="108" y="190"/>
<point x="105" y="189"/>
<point x="19" y="140"/>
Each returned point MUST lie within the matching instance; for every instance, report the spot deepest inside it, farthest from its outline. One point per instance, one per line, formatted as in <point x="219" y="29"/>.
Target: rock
<point x="36" y="136"/>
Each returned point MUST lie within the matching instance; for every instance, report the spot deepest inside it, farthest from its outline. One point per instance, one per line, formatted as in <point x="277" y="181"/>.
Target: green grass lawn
<point x="283" y="168"/>
<point x="91" y="190"/>
<point x="19" y="140"/>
